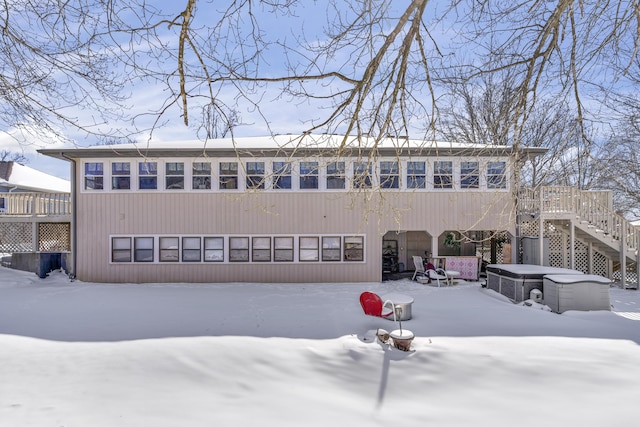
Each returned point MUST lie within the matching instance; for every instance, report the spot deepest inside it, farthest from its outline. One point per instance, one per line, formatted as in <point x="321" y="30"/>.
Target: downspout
<point x="74" y="210"/>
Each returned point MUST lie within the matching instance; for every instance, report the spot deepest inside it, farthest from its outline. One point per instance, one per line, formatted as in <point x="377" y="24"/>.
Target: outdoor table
<point x="451" y="274"/>
<point x="401" y="301"/>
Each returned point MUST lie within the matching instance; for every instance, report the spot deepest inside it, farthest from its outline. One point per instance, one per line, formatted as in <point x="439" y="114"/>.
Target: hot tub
<point x="582" y="292"/>
<point x="516" y="281"/>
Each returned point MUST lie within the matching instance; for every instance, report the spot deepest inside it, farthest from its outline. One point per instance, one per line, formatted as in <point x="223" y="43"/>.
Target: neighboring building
<point x="35" y="218"/>
<point x="283" y="208"/>
<point x="18" y="178"/>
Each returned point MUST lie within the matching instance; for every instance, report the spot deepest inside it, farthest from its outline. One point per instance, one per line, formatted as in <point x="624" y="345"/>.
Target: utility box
<point x="531" y="250"/>
<point x="583" y="292"/>
<point x="535" y="295"/>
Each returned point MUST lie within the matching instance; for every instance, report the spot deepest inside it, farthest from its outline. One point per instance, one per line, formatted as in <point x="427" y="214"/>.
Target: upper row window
<point x="255" y="175"/>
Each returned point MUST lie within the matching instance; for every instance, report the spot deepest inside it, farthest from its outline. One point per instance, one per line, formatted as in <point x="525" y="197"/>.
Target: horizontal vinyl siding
<point x="102" y="215"/>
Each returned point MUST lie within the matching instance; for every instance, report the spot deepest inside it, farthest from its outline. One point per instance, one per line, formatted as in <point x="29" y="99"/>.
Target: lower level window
<point x="354" y="248"/>
<point x="214" y="249"/>
<point x="191" y="249"/>
<point x="169" y="251"/>
<point x="143" y="249"/>
<point x="283" y="249"/>
<point x="261" y="250"/>
<point x="309" y="250"/>
<point x="238" y="249"/>
<point x="246" y="249"/>
<point x="331" y="248"/>
<point x="121" y="249"/>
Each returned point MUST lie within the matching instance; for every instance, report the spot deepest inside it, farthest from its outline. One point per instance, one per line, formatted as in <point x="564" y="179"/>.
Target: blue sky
<point x="282" y="115"/>
<point x="278" y="112"/>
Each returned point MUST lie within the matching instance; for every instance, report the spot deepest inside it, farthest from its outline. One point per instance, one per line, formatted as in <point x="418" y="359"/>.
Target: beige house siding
<point x="270" y="213"/>
<point x="185" y="207"/>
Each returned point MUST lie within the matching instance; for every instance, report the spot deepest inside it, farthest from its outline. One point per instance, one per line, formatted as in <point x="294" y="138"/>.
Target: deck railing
<point x="594" y="208"/>
<point x="35" y="204"/>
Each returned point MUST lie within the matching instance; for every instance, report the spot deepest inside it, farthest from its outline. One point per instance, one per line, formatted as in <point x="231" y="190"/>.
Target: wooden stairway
<point x="592" y="217"/>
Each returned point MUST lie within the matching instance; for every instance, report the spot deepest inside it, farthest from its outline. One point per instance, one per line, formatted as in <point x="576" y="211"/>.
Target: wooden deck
<point x="35" y="222"/>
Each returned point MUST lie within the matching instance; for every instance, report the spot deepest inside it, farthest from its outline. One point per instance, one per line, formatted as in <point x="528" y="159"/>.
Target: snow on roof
<point x="25" y="178"/>
<point x="294" y="141"/>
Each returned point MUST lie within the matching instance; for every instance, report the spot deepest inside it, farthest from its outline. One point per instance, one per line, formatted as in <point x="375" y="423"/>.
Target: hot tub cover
<point x="576" y="278"/>
<point x="528" y="271"/>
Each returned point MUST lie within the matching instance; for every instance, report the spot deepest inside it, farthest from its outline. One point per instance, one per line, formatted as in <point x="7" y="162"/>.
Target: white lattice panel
<point x="54" y="237"/>
<point x="16" y="237"/>
<point x="559" y="249"/>
<point x="600" y="264"/>
<point x="582" y="257"/>
<point x="528" y="228"/>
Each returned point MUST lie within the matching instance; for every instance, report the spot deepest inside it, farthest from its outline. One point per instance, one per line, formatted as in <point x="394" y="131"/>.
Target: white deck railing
<point x="35" y="204"/>
<point x="594" y="208"/>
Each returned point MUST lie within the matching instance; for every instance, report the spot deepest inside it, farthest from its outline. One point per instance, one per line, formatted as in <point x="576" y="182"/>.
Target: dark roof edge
<point x="89" y="152"/>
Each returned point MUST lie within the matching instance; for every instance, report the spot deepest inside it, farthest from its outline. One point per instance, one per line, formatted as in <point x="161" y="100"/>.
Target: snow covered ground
<point x="248" y="354"/>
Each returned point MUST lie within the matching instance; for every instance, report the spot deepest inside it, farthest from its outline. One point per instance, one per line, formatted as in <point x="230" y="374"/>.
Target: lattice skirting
<point x="54" y="237"/>
<point x="559" y="249"/>
<point x="17" y="237"/>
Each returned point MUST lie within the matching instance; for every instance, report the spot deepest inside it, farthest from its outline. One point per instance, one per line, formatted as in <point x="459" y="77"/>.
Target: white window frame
<point x="413" y="176"/>
<point x="226" y="174"/>
<point x="466" y="175"/>
<point x="120" y="174"/>
<point x="145" y="171"/>
<point x="391" y="175"/>
<point x="437" y="173"/>
<point x="199" y="175"/>
<point x="501" y="184"/>
<point x="284" y="170"/>
<point x="338" y="173"/>
<point x="174" y="175"/>
<point x="94" y="177"/>
<point x="311" y="170"/>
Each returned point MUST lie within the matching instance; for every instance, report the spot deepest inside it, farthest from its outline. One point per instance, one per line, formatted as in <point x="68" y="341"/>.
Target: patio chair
<point x="438" y="275"/>
<point x="373" y="306"/>
<point x="419" y="266"/>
